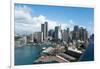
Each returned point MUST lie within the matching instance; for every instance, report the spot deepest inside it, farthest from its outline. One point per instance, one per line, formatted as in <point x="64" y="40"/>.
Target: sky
<point x="29" y="17"/>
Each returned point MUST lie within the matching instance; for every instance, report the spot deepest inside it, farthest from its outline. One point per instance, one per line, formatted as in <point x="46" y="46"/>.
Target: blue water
<point x="27" y="54"/>
<point x="88" y="55"/>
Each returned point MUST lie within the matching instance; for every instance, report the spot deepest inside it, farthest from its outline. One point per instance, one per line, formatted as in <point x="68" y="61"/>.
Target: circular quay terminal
<point x="52" y="34"/>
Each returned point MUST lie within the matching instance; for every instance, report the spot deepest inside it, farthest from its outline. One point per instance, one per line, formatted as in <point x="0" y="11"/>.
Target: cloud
<point x="22" y="13"/>
<point x="25" y="22"/>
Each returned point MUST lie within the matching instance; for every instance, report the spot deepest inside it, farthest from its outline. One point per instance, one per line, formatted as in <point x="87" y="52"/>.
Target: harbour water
<point x="27" y="54"/>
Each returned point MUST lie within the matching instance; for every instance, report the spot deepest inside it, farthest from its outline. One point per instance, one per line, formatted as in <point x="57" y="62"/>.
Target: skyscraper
<point x="68" y="30"/>
<point x="51" y="33"/>
<point x="58" y="34"/>
<point x="83" y="34"/>
<point x="44" y="29"/>
<point x="65" y="36"/>
<point x="76" y="33"/>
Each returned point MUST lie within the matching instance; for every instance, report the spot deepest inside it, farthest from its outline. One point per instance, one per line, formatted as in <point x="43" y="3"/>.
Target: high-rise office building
<point x="58" y="34"/>
<point x="66" y="35"/>
<point x="46" y="25"/>
<point x="51" y="33"/>
<point x="83" y="34"/>
<point x="44" y="29"/>
<point x="38" y="36"/>
<point x="75" y="33"/>
<point x="68" y="30"/>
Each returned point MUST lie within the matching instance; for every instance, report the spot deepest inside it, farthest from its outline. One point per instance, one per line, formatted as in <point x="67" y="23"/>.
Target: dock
<point x="51" y="58"/>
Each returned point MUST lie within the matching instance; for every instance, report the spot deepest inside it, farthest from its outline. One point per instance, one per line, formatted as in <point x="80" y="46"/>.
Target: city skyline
<point x="28" y="18"/>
